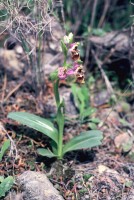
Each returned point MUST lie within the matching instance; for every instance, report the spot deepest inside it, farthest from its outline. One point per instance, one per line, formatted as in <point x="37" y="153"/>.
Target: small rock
<point x="101" y="98"/>
<point x="19" y="49"/>
<point x="78" y="176"/>
<point x="87" y="196"/>
<point x="123" y="107"/>
<point x="36" y="186"/>
<point x="103" y="168"/>
<point x="9" y="60"/>
<point x="103" y="190"/>
<point x="124" y="142"/>
<point x="79" y="187"/>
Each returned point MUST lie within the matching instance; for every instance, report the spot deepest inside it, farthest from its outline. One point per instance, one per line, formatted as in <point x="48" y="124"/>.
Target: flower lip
<point x="74" y="51"/>
<point x="62" y="73"/>
<point x="70" y="72"/>
<point x="80" y="78"/>
<point x="62" y="77"/>
<point x="75" y="56"/>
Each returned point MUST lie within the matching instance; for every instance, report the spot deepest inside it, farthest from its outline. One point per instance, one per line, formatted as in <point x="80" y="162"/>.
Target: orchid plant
<point x="75" y="73"/>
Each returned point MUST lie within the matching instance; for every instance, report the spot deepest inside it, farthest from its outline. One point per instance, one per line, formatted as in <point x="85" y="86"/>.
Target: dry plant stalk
<point x="13" y="149"/>
<point x="28" y="22"/>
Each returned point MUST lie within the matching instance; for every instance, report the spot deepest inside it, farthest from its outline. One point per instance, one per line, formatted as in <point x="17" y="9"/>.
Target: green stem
<point x="56" y="92"/>
<point x="60" y="122"/>
<point x="59" y="118"/>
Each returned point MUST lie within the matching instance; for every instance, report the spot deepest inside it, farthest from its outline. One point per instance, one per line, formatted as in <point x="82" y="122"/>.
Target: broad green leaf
<point x="4" y="148"/>
<point x="74" y="92"/>
<point x="85" y="92"/>
<point x="6" y="185"/>
<point x="81" y="99"/>
<point x="46" y="152"/>
<point x="36" y="122"/>
<point x="1" y="179"/>
<point x="85" y="140"/>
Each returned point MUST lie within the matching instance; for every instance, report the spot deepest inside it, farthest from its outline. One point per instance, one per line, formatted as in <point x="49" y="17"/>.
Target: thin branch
<point x="91" y="26"/>
<point x="93" y="13"/>
<point x="14" y="90"/>
<point x="13" y="149"/>
<point x="80" y="17"/>
<point x="107" y="82"/>
<point x="105" y="10"/>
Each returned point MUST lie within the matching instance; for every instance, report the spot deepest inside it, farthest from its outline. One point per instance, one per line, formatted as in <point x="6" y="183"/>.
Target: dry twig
<point x="107" y="82"/>
<point x="14" y="90"/>
<point x="13" y="149"/>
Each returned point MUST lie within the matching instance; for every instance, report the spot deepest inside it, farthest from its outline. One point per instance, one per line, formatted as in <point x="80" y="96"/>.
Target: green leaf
<point x="60" y="116"/>
<point x="46" y="152"/>
<point x="56" y="92"/>
<point x="37" y="123"/>
<point x="92" y="125"/>
<point x="54" y="75"/>
<point x="54" y="147"/>
<point x="88" y="112"/>
<point x="85" y="140"/>
<point x="81" y="98"/>
<point x="129" y="183"/>
<point x="98" y="32"/>
<point x="6" y="185"/>
<point x="74" y="92"/>
<point x="4" y="148"/>
<point x="124" y="122"/>
<point x="64" y="49"/>
<point x="85" y="92"/>
<point x="1" y="179"/>
<point x="95" y="120"/>
<point x="127" y="146"/>
<point x="60" y="123"/>
<point x="86" y="177"/>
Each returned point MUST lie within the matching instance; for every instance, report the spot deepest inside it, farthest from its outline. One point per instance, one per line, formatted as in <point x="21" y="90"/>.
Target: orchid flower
<point x="55" y="131"/>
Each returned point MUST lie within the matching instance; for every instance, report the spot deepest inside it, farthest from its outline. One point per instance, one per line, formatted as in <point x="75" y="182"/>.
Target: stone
<point x="36" y="186"/>
<point x="87" y="196"/>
